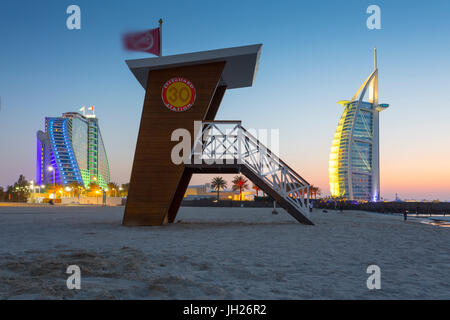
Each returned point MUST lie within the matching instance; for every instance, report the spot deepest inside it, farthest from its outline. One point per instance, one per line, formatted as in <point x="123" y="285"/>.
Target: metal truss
<point x="227" y="143"/>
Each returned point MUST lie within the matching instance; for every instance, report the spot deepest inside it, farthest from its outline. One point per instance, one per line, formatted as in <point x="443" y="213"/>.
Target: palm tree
<point x="240" y="183"/>
<point x="255" y="187"/>
<point x="124" y="191"/>
<point x="10" y="192"/>
<point x="76" y="188"/>
<point x="319" y="191"/>
<point x="313" y="190"/>
<point x="112" y="186"/>
<point x="218" y="183"/>
<point x="21" y="189"/>
<point x="57" y="190"/>
<point x="93" y="187"/>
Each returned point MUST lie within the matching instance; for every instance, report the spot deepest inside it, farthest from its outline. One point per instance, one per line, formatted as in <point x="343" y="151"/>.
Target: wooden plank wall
<point x="154" y="177"/>
<point x="187" y="175"/>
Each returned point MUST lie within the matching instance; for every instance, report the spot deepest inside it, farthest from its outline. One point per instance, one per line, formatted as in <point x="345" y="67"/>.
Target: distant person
<point x="405" y="215"/>
<point x="274" y="211"/>
<point x="311" y="205"/>
<point x="51" y="202"/>
<point x="104" y="198"/>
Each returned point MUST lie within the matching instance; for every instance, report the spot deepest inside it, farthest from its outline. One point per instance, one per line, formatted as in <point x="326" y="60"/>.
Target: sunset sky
<point x="314" y="54"/>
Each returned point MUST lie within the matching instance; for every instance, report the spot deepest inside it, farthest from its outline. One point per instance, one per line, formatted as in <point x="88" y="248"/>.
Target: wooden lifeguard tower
<point x="182" y="89"/>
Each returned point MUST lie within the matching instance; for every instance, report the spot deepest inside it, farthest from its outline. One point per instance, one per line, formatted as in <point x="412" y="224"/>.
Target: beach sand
<point x="219" y="253"/>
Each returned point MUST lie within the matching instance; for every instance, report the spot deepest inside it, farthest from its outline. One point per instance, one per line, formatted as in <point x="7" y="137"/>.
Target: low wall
<point x="386" y="207"/>
<point x="110" y="201"/>
<point x="227" y="203"/>
<point x="389" y="207"/>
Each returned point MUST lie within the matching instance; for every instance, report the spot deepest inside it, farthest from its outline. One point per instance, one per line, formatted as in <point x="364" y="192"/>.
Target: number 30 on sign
<point x="178" y="94"/>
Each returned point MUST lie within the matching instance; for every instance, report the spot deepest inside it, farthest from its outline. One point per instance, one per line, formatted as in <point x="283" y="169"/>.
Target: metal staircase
<point x="225" y="146"/>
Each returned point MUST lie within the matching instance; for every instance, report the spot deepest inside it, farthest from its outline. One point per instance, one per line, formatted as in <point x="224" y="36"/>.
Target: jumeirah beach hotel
<point x="354" y="166"/>
<point x="71" y="150"/>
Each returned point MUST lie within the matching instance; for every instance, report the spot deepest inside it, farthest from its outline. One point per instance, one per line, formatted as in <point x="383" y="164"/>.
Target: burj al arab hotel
<point x="354" y="167"/>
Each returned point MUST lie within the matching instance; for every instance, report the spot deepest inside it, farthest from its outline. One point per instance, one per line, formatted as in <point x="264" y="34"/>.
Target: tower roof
<point x="240" y="68"/>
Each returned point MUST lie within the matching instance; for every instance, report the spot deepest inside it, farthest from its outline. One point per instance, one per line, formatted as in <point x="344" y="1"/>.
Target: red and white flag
<point x="146" y="41"/>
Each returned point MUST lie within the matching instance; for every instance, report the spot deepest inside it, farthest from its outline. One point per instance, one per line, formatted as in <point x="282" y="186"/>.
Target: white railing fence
<point x="228" y="143"/>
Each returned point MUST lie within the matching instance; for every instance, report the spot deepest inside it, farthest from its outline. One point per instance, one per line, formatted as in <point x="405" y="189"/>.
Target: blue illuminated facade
<point x="71" y="146"/>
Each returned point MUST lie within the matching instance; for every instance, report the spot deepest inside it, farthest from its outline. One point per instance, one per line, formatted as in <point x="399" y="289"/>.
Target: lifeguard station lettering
<point x="178" y="94"/>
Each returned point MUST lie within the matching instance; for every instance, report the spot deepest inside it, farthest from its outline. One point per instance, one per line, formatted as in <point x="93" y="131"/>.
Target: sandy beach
<point x="219" y="253"/>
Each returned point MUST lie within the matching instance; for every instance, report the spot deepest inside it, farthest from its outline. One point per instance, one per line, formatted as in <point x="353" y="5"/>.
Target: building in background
<point x="354" y="168"/>
<point x="71" y="150"/>
<point x="204" y="191"/>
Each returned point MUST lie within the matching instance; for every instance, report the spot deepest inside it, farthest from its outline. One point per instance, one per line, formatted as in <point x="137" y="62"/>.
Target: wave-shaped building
<point x="354" y="166"/>
<point x="72" y="147"/>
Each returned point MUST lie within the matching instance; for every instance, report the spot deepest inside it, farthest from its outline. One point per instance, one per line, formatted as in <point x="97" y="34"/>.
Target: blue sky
<point x="314" y="54"/>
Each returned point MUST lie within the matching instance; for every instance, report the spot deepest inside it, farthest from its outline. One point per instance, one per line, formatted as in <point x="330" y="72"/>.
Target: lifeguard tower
<point x="187" y="88"/>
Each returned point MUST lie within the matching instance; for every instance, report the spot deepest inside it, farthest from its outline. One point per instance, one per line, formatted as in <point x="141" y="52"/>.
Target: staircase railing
<point x="227" y="142"/>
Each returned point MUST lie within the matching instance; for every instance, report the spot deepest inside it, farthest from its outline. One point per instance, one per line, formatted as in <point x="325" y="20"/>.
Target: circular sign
<point x="178" y="94"/>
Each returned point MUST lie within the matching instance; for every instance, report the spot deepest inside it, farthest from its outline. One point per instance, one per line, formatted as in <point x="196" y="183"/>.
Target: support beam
<point x="154" y="177"/>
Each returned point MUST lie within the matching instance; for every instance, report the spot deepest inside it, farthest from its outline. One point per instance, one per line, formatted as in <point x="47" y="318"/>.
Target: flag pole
<point x="160" y="36"/>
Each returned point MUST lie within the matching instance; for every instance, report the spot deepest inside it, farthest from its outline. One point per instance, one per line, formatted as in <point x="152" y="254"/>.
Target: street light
<point x="32" y="187"/>
<point x="50" y="168"/>
<point x="39" y="187"/>
<point x="68" y="189"/>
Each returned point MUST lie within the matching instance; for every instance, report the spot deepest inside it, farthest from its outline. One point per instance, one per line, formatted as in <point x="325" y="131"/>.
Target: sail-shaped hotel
<point x="354" y="167"/>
